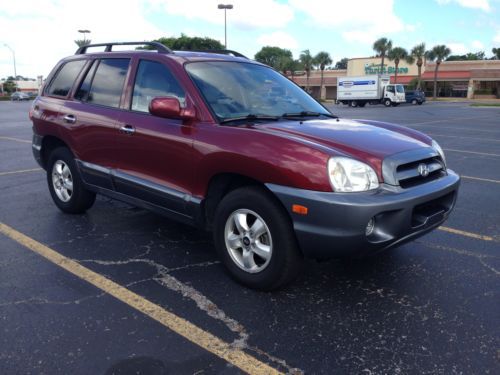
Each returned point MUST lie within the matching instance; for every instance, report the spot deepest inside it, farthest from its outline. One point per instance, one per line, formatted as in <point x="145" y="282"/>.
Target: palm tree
<point x="322" y="59"/>
<point x="306" y="60"/>
<point x="397" y="54"/>
<point x="382" y="46"/>
<point x="437" y="53"/>
<point x="82" y="42"/>
<point x="496" y="53"/>
<point x="418" y="53"/>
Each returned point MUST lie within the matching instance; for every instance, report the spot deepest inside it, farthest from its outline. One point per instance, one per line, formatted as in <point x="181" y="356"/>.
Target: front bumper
<point x="335" y="224"/>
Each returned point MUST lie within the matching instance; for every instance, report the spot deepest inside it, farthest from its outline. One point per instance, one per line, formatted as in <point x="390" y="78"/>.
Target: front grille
<point x="408" y="175"/>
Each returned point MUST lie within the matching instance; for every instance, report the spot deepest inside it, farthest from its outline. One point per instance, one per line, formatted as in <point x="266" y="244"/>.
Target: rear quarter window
<point x="108" y="81"/>
<point x="65" y="78"/>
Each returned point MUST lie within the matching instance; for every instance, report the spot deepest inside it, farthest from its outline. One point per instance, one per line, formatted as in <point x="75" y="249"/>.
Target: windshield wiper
<point x="250" y="117"/>
<point x="307" y="114"/>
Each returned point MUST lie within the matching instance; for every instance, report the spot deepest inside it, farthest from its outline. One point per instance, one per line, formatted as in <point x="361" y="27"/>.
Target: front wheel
<point x="254" y="238"/>
<point x="65" y="185"/>
<point x="354" y="104"/>
<point x="387" y="102"/>
<point x="414" y="101"/>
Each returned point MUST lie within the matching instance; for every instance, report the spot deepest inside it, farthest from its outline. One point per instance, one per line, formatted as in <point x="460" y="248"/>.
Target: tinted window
<point x="154" y="79"/>
<point x="83" y="91"/>
<point x="65" y="77"/>
<point x="107" y="85"/>
<point x="390" y="89"/>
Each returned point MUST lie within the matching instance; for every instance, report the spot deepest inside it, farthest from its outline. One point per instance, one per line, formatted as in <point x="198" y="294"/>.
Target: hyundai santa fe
<point x="230" y="145"/>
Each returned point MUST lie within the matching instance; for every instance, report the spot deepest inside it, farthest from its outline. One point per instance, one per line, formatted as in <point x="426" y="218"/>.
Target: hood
<point x="365" y="140"/>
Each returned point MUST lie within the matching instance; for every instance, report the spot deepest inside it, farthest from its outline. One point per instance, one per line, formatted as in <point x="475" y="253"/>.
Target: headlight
<point x="440" y="151"/>
<point x="349" y="175"/>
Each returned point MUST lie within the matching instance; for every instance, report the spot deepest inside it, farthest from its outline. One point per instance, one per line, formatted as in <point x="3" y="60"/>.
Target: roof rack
<point x="220" y="51"/>
<point x="109" y="46"/>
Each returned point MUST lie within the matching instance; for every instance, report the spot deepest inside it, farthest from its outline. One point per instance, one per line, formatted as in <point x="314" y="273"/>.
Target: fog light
<point x="370" y="227"/>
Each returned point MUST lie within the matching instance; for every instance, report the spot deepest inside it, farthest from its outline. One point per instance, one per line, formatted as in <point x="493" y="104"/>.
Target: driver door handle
<point x="127" y="129"/>
<point x="70" y="119"/>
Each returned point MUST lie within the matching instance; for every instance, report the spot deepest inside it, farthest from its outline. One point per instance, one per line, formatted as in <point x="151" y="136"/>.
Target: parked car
<point x="415" y="97"/>
<point x="18" y="95"/>
<point x="192" y="136"/>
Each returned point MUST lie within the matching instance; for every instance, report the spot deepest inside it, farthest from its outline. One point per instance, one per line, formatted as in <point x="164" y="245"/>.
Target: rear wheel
<point x="353" y="104"/>
<point x="362" y="104"/>
<point x="255" y="240"/>
<point x="65" y="185"/>
<point x="387" y="102"/>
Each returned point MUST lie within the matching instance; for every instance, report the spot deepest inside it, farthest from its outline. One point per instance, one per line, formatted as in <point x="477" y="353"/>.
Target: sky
<point x="41" y="32"/>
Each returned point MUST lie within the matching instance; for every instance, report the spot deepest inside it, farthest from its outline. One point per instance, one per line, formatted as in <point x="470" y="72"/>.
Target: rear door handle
<point x="70" y="119"/>
<point x="127" y="129"/>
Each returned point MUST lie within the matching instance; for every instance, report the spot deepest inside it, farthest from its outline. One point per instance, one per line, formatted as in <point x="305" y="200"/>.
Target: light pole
<point x="13" y="58"/>
<point x="225" y="7"/>
<point x="84" y="32"/>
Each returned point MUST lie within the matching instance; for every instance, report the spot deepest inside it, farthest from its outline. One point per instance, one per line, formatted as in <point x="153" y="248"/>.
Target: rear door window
<point x="154" y="79"/>
<point x="65" y="78"/>
<point x="106" y="87"/>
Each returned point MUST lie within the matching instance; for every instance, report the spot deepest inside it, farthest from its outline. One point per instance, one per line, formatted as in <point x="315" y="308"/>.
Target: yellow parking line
<point x="15" y="139"/>
<point x="20" y="171"/>
<point x="188" y="330"/>
<point x="467" y="234"/>
<point x="481" y="179"/>
<point x="471" y="152"/>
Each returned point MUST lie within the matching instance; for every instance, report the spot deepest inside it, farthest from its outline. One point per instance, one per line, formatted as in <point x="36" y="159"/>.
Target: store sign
<point x="375" y="69"/>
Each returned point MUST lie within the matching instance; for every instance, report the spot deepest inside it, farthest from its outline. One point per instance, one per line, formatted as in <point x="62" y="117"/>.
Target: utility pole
<point x="84" y="32"/>
<point x="14" y="59"/>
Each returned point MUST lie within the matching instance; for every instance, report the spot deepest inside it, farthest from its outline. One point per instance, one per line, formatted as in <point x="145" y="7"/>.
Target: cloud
<point x="474" y="4"/>
<point x="457" y="48"/>
<point x="278" y="39"/>
<point x="496" y="39"/>
<point x="245" y="14"/>
<point x="477" y="44"/>
<point x="48" y="29"/>
<point x="361" y="21"/>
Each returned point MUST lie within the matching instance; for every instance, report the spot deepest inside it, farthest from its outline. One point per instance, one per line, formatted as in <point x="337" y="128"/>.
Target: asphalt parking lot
<point x="430" y="306"/>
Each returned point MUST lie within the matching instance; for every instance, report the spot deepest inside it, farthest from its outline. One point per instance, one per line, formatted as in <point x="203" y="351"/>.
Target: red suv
<point x="230" y="145"/>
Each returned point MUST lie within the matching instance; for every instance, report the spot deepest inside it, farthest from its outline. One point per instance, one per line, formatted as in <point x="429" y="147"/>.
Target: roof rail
<point x="220" y="51"/>
<point x="109" y="46"/>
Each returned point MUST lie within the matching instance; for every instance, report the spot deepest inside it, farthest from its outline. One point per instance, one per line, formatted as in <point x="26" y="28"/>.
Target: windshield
<point x="400" y="88"/>
<point x="235" y="89"/>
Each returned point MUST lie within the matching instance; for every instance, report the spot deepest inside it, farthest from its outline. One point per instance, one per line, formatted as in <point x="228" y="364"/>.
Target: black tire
<point x="353" y="104"/>
<point x="362" y="104"/>
<point x="414" y="101"/>
<point x="387" y="102"/>
<point x="420" y="103"/>
<point x="285" y="260"/>
<point x="80" y="199"/>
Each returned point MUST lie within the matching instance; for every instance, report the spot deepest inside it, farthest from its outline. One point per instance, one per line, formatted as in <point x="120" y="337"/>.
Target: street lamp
<point x="84" y="32"/>
<point x="225" y="7"/>
<point x="13" y="58"/>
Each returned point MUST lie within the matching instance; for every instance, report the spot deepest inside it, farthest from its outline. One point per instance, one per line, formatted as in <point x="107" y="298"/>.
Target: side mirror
<point x="170" y="107"/>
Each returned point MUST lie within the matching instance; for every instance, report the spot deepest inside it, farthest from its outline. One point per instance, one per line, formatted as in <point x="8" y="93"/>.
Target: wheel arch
<point x="50" y="143"/>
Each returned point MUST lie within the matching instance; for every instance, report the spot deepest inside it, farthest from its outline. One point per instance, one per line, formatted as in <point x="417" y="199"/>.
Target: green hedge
<point x="4" y="98"/>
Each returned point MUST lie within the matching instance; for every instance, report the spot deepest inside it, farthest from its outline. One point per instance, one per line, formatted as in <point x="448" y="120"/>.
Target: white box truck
<point x="373" y="89"/>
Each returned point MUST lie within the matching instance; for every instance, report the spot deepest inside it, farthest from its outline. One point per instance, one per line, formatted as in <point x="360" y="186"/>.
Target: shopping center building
<point x="467" y="79"/>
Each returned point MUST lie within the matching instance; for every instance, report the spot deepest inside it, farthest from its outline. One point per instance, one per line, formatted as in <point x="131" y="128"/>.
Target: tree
<point x="82" y="42"/>
<point x="438" y="54"/>
<point x="397" y="54"/>
<point x="292" y="66"/>
<point x="321" y="60"/>
<point x="306" y="60"/>
<point x="382" y="47"/>
<point x="276" y="57"/>
<point x="418" y="54"/>
<point x="470" y="56"/>
<point x="496" y="53"/>
<point x="9" y="85"/>
<point x="342" y="63"/>
<point x="187" y="43"/>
